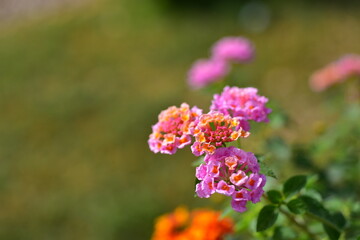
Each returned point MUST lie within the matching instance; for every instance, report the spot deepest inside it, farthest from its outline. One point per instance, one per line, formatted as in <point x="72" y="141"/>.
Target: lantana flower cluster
<point x="242" y="103"/>
<point x="226" y="170"/>
<point x="174" y="129"/>
<point x="336" y="72"/>
<point x="232" y="172"/>
<point x="206" y="71"/>
<point x="199" y="224"/>
<point x="235" y="49"/>
<point x="224" y="52"/>
<point x="214" y="130"/>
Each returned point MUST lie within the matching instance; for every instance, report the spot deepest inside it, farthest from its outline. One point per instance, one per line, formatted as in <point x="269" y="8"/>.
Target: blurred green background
<point x="80" y="88"/>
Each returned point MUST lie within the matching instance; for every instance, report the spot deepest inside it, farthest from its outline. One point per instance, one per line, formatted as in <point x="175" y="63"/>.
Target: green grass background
<point x="79" y="91"/>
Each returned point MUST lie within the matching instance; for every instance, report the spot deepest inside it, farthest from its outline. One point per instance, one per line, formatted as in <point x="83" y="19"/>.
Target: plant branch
<point x="301" y="226"/>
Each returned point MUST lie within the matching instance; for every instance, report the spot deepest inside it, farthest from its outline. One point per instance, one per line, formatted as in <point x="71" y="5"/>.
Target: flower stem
<point x="238" y="143"/>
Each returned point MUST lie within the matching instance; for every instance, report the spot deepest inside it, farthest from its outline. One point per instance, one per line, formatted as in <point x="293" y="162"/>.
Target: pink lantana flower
<point x="213" y="130"/>
<point x="224" y="188"/>
<point x="235" y="49"/>
<point x="214" y="169"/>
<point x="242" y="103"/>
<point x="200" y="191"/>
<point x="255" y="195"/>
<point x="241" y="180"/>
<point x="201" y="172"/>
<point x="206" y="71"/>
<point x="238" y="178"/>
<point x="239" y="206"/>
<point x="241" y="195"/>
<point x="336" y="72"/>
<point x="174" y="129"/>
<point x="254" y="181"/>
<point x="208" y="186"/>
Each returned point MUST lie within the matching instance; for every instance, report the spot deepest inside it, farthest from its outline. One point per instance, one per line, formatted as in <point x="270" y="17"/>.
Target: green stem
<point x="238" y="143"/>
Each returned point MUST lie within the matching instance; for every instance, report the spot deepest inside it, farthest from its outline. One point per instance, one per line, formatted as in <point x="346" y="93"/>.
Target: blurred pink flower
<point x="336" y="72"/>
<point x="236" y="49"/>
<point x="204" y="72"/>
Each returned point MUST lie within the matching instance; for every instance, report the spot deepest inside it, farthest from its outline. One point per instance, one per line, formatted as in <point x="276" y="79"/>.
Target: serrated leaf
<point x="275" y="196"/>
<point x="267" y="217"/>
<point x="296" y="206"/>
<point x="264" y="169"/>
<point x="294" y="185"/>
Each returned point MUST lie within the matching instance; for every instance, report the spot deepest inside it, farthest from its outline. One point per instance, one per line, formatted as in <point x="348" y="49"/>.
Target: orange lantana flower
<point x="199" y="224"/>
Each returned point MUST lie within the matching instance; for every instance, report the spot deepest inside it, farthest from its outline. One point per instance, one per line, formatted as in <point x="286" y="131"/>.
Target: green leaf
<point x="331" y="232"/>
<point x="226" y="212"/>
<point x="296" y="206"/>
<point x="196" y="181"/>
<point x="283" y="233"/>
<point x="197" y="162"/>
<point x="278" y="120"/>
<point x="212" y="125"/>
<point x="340" y="221"/>
<point x="333" y="223"/>
<point x="314" y="194"/>
<point x="301" y="157"/>
<point x="264" y="168"/>
<point x="267" y="217"/>
<point x="294" y="184"/>
<point x="315" y="208"/>
<point x="275" y="196"/>
<point x="278" y="234"/>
